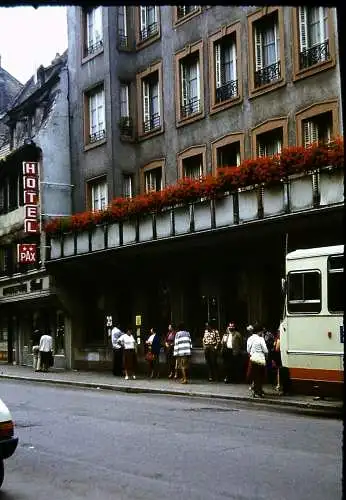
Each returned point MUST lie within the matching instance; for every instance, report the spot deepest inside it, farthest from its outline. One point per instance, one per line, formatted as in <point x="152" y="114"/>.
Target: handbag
<point x="257" y="358"/>
<point x="149" y="356"/>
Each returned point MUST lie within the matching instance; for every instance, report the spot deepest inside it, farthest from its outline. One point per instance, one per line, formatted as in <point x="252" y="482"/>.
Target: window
<point x="125" y="123"/>
<point x="319" y="122"/>
<point x="266" y="44"/>
<point x="192" y="162"/>
<point x="335" y="282"/>
<point x="313" y="40"/>
<point x="148" y="23"/>
<point x="96" y="129"/>
<point x="127" y="186"/>
<point x="152" y="176"/>
<point x="224" y="60"/>
<point x="149" y="87"/>
<point x="270" y="137"/>
<point x="304" y="292"/>
<point x="93" y="30"/>
<point x="98" y="194"/>
<point x="183" y="13"/>
<point x="189" y="75"/>
<point x="122" y="27"/>
<point x="228" y="151"/>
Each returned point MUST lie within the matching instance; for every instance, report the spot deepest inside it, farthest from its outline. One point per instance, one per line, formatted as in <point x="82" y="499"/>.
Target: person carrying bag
<point x="257" y="350"/>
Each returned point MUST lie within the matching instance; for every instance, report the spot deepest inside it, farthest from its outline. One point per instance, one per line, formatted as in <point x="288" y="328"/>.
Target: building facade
<point x="158" y="93"/>
<point x="37" y="128"/>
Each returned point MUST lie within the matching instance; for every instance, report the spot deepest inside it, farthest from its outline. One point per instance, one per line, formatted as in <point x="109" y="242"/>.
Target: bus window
<point x="304" y="292"/>
<point x="335" y="284"/>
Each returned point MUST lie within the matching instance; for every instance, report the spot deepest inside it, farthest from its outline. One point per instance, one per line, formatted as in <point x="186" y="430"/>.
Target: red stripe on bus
<point x="315" y="374"/>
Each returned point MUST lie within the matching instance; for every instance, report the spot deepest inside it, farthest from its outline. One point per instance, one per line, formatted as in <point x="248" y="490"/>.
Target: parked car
<point x="8" y="442"/>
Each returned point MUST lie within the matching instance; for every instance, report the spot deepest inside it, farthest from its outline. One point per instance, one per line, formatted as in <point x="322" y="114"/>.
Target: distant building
<point x="37" y="129"/>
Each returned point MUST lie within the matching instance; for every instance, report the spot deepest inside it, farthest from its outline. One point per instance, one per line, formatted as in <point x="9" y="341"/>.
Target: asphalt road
<point x="90" y="445"/>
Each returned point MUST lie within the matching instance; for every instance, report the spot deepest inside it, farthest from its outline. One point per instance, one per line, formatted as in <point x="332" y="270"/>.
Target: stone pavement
<point x="196" y="388"/>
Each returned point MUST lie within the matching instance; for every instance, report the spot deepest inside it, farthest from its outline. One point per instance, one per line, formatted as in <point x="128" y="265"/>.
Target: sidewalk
<point x="196" y="388"/>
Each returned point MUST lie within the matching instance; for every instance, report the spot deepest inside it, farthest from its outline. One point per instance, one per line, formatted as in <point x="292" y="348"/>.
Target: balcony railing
<point x="227" y="91"/>
<point x="153" y="123"/>
<point x="149" y="31"/>
<point x="191" y="107"/>
<point x="126" y="126"/>
<point x="185" y="10"/>
<point x="268" y="74"/>
<point x="318" y="53"/>
<point x="97" y="136"/>
<point x="122" y="40"/>
<point x="95" y="47"/>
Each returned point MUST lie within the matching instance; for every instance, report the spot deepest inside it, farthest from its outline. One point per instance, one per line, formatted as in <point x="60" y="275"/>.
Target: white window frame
<point x="147" y="99"/>
<point x="122" y="20"/>
<point x="184" y="7"/>
<point x="219" y="58"/>
<point x="124" y="100"/>
<point x="150" y="178"/>
<point x="259" y="45"/>
<point x="185" y="75"/>
<point x="94" y="28"/>
<point x="127" y="185"/>
<point x="144" y="19"/>
<point x="264" y="149"/>
<point x="305" y="28"/>
<point x="197" y="172"/>
<point x="225" y="146"/>
<point x="97" y="104"/>
<point x="312" y="133"/>
<point x="99" y="192"/>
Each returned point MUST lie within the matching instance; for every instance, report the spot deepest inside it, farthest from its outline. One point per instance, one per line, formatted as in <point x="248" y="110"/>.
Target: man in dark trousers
<point x="117" y="351"/>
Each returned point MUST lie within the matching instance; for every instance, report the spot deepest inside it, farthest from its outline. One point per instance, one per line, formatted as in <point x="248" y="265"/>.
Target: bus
<point x="312" y="329"/>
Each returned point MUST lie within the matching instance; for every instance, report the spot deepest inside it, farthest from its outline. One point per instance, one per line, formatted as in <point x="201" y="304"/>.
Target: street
<point x="91" y="444"/>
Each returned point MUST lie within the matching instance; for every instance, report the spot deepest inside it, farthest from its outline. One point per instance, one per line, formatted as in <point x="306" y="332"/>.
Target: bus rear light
<point x="6" y="429"/>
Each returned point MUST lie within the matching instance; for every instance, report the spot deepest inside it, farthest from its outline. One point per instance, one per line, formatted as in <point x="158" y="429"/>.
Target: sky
<point x="30" y="37"/>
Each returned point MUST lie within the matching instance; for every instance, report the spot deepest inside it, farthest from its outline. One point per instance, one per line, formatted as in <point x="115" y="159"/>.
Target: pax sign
<point x="31" y="181"/>
<point x="26" y="253"/>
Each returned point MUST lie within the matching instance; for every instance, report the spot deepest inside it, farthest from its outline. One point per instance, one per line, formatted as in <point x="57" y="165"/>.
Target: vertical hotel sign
<point x="26" y="253"/>
<point x="31" y="184"/>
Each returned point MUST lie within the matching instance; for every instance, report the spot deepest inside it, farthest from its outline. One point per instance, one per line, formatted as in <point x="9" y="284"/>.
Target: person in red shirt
<point x="169" y="348"/>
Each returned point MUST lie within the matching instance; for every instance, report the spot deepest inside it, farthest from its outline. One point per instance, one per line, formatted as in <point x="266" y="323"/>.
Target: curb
<point x="318" y="409"/>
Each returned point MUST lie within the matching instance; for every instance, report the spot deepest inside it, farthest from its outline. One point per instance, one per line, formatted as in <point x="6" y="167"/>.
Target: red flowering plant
<point x="336" y="154"/>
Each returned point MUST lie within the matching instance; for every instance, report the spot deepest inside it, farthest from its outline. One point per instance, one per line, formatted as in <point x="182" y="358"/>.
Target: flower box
<point x="113" y="235"/>
<point x="331" y="182"/>
<point x="164" y="224"/>
<point x="274" y="200"/>
<point x="248" y="204"/>
<point x="146" y="228"/>
<point x="68" y="244"/>
<point x="55" y="248"/>
<point x="301" y="192"/>
<point x="182" y="219"/>
<point x="202" y="215"/>
<point x="224" y="211"/>
<point x="98" y="238"/>
<point x="129" y="232"/>
<point x="82" y="242"/>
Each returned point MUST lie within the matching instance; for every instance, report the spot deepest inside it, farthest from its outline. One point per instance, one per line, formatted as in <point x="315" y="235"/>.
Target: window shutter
<point x="146" y="97"/>
<point x="234" y="59"/>
<point x="310" y="133"/>
<point x="198" y="86"/>
<point x="124" y="100"/>
<point x="261" y="149"/>
<point x="91" y="113"/>
<point x="259" y="49"/>
<point x="184" y="84"/>
<point x="102" y="120"/>
<point x="125" y="20"/>
<point x="158" y="97"/>
<point x="278" y="147"/>
<point x="98" y="24"/>
<point x="238" y="159"/>
<point x="325" y="23"/>
<point x="277" y="42"/>
<point x="328" y="134"/>
<point x="303" y="28"/>
<point x="218" y="65"/>
<point x="144" y="21"/>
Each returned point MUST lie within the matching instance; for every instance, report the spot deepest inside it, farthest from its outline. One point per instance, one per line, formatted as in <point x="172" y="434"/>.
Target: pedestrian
<point x="153" y="354"/>
<point x="128" y="342"/>
<point x="182" y="351"/>
<point x="276" y="360"/>
<point x="269" y="340"/>
<point x="36" y="336"/>
<point x="232" y="354"/>
<point x="169" y="348"/>
<point x="46" y="352"/>
<point x="257" y="349"/>
<point x="211" y="343"/>
<point x="117" y="365"/>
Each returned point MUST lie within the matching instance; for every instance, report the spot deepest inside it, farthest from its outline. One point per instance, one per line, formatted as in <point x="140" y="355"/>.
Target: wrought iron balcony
<point x="268" y="74"/>
<point x="149" y="31"/>
<point x="126" y="126"/>
<point x="95" y="47"/>
<point x="314" y="55"/>
<point x="153" y="123"/>
<point x="227" y="91"/>
<point x="185" y="10"/>
<point x="97" y="136"/>
<point x="191" y="107"/>
<point x="122" y="40"/>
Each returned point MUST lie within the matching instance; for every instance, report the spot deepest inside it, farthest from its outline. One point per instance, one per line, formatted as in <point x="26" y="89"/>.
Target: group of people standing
<point x="42" y="351"/>
<point x="260" y="350"/>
